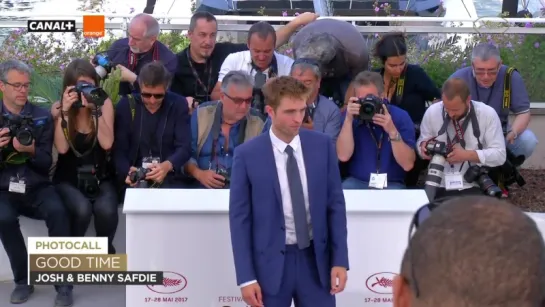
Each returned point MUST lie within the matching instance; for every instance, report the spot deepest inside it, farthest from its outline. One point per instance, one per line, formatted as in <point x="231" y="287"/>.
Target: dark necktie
<point x="297" y="200"/>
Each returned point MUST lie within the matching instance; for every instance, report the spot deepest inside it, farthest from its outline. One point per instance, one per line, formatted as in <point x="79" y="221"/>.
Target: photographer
<point x="26" y="141"/>
<point x="376" y="139"/>
<point x="219" y="127"/>
<point x="458" y="134"/>
<point x="152" y="132"/>
<point x="82" y="175"/>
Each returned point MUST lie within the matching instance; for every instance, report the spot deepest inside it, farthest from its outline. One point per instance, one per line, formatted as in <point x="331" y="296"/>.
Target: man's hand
<point x="21" y="148"/>
<point x="4" y="137"/>
<point x="458" y="154"/>
<point x="385" y="121"/>
<point x="305" y="18"/>
<point x="352" y="108"/>
<point x="251" y="294"/>
<point x="210" y="179"/>
<point x="338" y="279"/>
<point x="159" y="171"/>
<point x="126" y="74"/>
<point x="128" y="179"/>
<point x="510" y="137"/>
<point x="423" y="150"/>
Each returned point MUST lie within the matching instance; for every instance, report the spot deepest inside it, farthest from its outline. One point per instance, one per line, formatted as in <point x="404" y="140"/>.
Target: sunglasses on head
<point x="156" y="96"/>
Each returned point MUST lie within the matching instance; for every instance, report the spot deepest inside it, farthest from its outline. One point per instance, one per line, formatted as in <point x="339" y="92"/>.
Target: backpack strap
<point x="506" y="103"/>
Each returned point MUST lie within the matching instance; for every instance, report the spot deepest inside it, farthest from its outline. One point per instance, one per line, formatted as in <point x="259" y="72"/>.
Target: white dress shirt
<point x="243" y="61"/>
<point x="493" y="153"/>
<point x="281" y="159"/>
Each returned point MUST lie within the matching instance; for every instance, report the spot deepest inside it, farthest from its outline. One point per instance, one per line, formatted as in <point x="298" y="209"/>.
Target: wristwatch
<point x="396" y="138"/>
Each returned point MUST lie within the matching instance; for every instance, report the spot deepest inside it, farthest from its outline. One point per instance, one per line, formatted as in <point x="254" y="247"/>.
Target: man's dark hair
<point x="262" y="29"/>
<point x="476" y="251"/>
<point x="154" y="74"/>
<point x="201" y="15"/>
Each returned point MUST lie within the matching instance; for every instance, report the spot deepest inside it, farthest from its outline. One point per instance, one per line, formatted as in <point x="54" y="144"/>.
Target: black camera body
<point x="93" y="94"/>
<point x="369" y="106"/>
<point x="22" y="127"/>
<point x="258" y="102"/>
<point x="138" y="177"/>
<point x="225" y="174"/>
<point x="435" y="147"/>
<point x="479" y="174"/>
<point x="88" y="182"/>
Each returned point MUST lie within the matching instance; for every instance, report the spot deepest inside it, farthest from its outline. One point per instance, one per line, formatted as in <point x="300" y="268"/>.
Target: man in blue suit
<point x="287" y="211"/>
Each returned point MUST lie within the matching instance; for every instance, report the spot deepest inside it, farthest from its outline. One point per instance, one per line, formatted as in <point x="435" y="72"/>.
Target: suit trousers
<point x="300" y="282"/>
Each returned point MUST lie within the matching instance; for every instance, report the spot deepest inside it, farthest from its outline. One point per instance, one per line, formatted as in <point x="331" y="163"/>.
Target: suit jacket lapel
<point x="270" y="168"/>
<point x="310" y="166"/>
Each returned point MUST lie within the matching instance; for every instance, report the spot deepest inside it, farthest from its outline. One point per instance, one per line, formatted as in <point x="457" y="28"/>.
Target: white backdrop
<point x="191" y="240"/>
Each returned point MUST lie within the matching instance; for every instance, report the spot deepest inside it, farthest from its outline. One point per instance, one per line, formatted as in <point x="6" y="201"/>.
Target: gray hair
<point x="321" y="47"/>
<point x="152" y="25"/>
<point x="237" y="78"/>
<point x="367" y="78"/>
<point x="10" y="65"/>
<point x="302" y="66"/>
<point x="485" y="52"/>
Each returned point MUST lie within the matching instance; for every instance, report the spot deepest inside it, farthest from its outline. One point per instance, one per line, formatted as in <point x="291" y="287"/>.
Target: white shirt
<point x="281" y="159"/>
<point x="493" y="153"/>
<point x="242" y="60"/>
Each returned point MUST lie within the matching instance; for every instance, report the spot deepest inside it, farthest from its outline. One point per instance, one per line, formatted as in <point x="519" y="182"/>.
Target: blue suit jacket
<point x="256" y="215"/>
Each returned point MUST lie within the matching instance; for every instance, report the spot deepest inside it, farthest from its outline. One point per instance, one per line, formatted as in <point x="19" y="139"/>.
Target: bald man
<point x="139" y="48"/>
<point x="473" y="251"/>
<point x="339" y="48"/>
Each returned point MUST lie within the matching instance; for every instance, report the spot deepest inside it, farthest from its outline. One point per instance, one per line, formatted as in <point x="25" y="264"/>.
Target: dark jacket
<point x="173" y="135"/>
<point x="119" y="54"/>
<point x="36" y="169"/>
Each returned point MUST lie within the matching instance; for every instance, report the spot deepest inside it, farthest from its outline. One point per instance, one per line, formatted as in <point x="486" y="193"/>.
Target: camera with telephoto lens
<point x="369" y="106"/>
<point x="22" y="127"/>
<point x="103" y="65"/>
<point x="93" y="94"/>
<point x="438" y="152"/>
<point x="258" y="102"/>
<point x="88" y="182"/>
<point x="139" y="177"/>
<point x="479" y="174"/>
<point x="225" y="174"/>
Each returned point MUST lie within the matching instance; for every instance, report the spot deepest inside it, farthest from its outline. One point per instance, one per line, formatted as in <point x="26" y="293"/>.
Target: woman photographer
<point x="82" y="174"/>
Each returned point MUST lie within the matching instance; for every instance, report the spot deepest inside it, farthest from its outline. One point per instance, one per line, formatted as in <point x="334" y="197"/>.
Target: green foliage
<point x="111" y="85"/>
<point x="49" y="54"/>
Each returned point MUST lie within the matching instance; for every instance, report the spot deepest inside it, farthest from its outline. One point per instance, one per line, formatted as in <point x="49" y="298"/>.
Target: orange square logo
<point x="94" y="26"/>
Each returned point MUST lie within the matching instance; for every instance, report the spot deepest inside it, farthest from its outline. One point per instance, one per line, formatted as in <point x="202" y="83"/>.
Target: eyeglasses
<point x="239" y="100"/>
<point x="19" y="86"/>
<point x="149" y="95"/>
<point x="482" y="72"/>
<point x="418" y="218"/>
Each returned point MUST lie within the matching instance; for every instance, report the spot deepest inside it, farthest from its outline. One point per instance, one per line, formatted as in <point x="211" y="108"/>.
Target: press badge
<point x="378" y="181"/>
<point x="454" y="181"/>
<point x="17" y="185"/>
<point x="148" y="162"/>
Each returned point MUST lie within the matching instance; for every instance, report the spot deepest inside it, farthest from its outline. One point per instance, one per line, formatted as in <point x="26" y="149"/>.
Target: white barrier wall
<point x="186" y="233"/>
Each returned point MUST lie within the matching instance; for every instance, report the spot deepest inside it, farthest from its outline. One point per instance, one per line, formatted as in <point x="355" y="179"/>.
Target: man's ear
<point x="401" y="292"/>
<point x="269" y="110"/>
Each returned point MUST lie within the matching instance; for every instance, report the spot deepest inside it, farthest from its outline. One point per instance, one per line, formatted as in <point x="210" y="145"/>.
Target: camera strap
<point x="64" y="126"/>
<point x="208" y="71"/>
<point x="216" y="129"/>
<point x="273" y="68"/>
<point x="378" y="142"/>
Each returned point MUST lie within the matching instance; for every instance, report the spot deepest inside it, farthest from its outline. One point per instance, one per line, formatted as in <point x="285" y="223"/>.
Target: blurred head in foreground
<point x="474" y="251"/>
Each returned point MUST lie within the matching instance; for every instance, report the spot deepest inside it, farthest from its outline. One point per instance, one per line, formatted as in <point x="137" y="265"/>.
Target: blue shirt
<point x="364" y="159"/>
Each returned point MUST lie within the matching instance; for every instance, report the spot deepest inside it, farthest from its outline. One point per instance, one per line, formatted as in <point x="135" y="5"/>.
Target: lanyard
<point x="378" y="143"/>
<point x="487" y="101"/>
<point x="459" y="138"/>
<point x="133" y="59"/>
<point x="207" y="70"/>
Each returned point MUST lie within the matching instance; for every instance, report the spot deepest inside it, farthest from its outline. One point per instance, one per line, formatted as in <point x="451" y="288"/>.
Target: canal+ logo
<point x="93" y="26"/>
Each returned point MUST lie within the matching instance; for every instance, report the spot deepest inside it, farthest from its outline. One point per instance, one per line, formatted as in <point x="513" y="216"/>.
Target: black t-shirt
<point x="418" y="89"/>
<point x="149" y="143"/>
<point x="67" y="164"/>
<point x="184" y="81"/>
